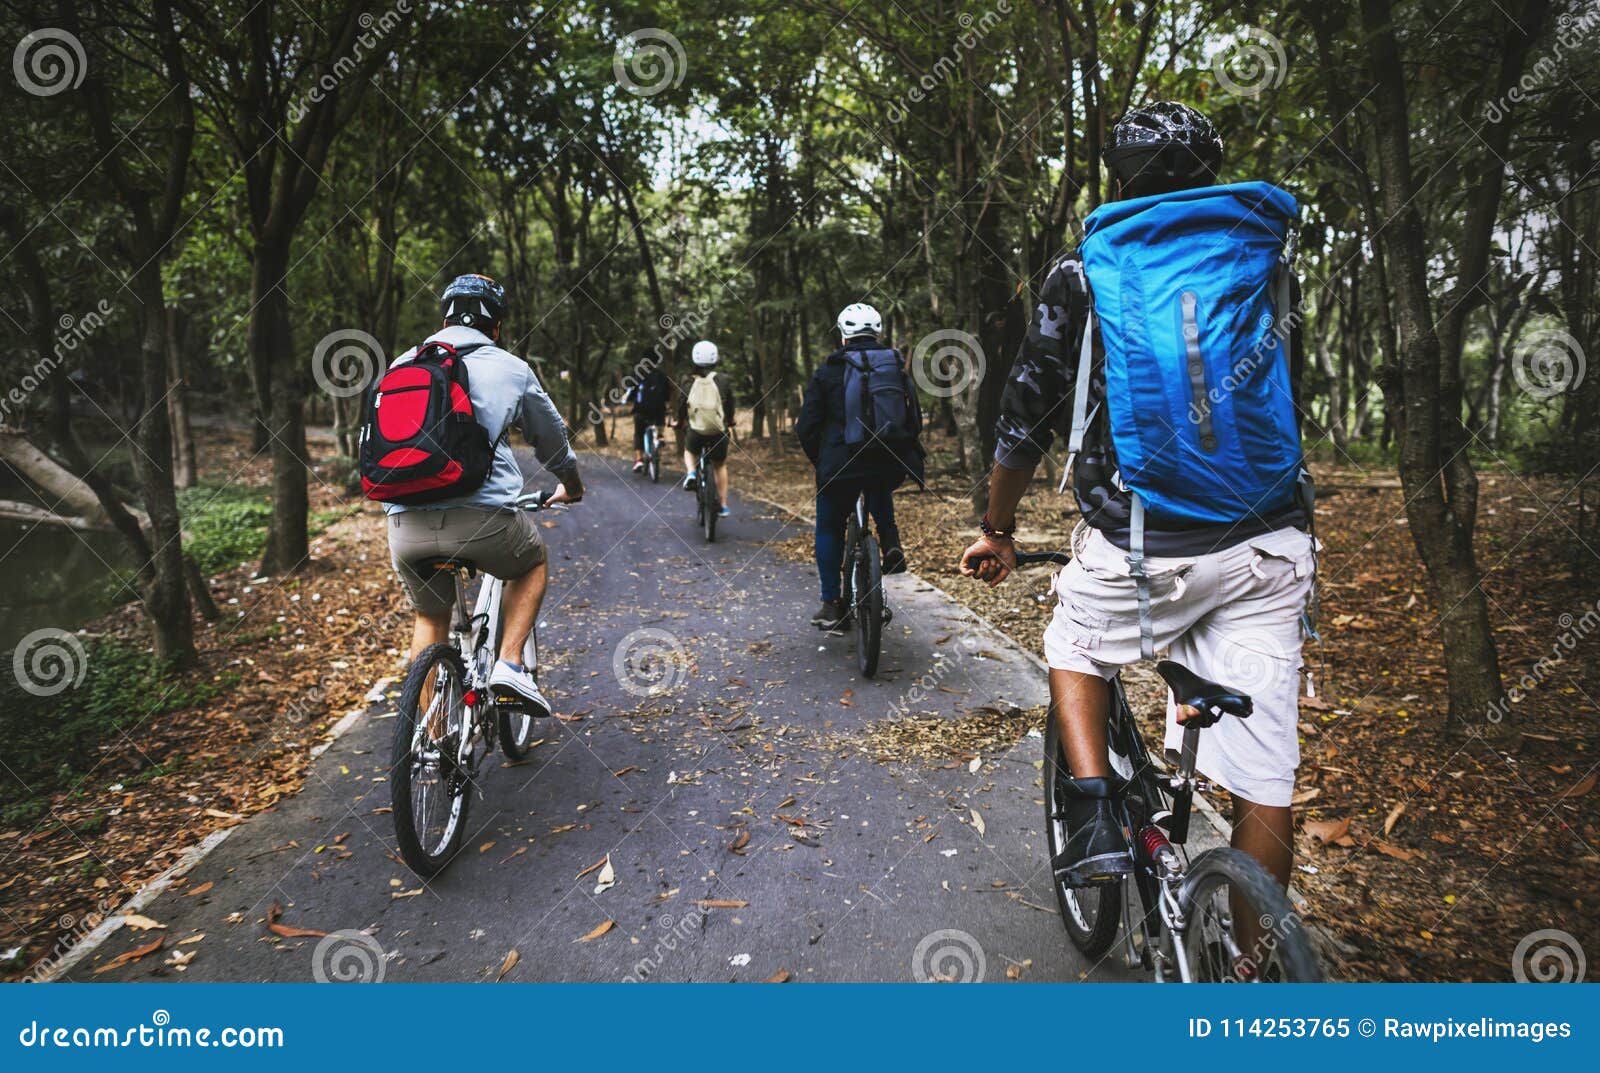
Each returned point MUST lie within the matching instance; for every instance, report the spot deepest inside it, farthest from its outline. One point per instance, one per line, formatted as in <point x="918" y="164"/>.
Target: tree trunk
<point x="185" y="470"/>
<point x="1443" y="536"/>
<point x="272" y="348"/>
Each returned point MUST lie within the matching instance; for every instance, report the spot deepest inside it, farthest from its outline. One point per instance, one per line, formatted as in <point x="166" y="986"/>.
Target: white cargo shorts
<point x="1232" y="616"/>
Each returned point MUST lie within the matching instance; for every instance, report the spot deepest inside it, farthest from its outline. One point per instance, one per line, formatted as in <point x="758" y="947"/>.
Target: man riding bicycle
<point x="1225" y="597"/>
<point x="852" y="459"/>
<point x="649" y="399"/>
<point x="707" y="413"/>
<point x="483" y="524"/>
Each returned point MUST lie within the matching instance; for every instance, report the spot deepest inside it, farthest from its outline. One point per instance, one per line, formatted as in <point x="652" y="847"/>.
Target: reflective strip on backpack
<point x="1141" y="580"/>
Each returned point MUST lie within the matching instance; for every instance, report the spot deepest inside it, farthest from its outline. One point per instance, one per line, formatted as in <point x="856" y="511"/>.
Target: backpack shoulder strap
<point x="1080" y="386"/>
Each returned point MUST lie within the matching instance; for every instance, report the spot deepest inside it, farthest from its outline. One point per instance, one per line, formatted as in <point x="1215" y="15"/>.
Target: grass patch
<point x="50" y="739"/>
<point x="224" y="524"/>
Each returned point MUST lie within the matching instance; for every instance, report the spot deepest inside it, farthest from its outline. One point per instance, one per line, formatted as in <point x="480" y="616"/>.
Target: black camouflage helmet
<point x="1163" y="146"/>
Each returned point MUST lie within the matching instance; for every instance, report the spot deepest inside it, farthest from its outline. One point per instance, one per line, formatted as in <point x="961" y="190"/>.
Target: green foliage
<point x="49" y="740"/>
<point x="224" y="524"/>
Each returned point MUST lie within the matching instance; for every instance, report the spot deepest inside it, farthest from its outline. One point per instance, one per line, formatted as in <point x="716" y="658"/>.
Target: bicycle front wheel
<point x="428" y="791"/>
<point x="868" y="587"/>
<point x="1240" y="925"/>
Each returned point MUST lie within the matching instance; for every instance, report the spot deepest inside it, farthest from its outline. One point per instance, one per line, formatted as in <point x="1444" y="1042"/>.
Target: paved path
<point x="766" y="722"/>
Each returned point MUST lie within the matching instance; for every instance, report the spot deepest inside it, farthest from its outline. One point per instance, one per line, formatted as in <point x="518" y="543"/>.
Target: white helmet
<point x="704" y="354"/>
<point x="859" y="318"/>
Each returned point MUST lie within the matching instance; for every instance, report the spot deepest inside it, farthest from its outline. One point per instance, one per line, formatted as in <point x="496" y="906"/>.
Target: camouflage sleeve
<point x="1037" y="397"/>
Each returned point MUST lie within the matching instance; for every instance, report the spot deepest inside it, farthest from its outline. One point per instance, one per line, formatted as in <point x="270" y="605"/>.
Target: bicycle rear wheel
<point x="867" y="584"/>
<point x="710" y="502"/>
<point x="429" y="794"/>
<point x="1224" y="889"/>
<point x="1091" y="915"/>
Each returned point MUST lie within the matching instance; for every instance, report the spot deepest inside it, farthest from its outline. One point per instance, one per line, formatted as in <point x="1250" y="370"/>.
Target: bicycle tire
<point x="1091" y="915"/>
<point x="515" y="727"/>
<point x="868" y="567"/>
<point x="1289" y="957"/>
<point x="403" y="782"/>
<point x="710" y="502"/>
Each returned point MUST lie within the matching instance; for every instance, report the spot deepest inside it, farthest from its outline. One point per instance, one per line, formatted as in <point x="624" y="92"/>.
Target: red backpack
<point x="420" y="440"/>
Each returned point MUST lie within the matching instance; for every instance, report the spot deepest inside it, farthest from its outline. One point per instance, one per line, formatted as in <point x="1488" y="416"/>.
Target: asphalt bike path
<point x="720" y="796"/>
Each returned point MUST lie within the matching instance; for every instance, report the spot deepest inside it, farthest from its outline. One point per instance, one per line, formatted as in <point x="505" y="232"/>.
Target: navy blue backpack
<point x="879" y="401"/>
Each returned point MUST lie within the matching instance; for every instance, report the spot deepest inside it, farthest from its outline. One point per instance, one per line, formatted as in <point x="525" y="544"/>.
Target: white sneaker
<point x="509" y="683"/>
<point x="690" y="483"/>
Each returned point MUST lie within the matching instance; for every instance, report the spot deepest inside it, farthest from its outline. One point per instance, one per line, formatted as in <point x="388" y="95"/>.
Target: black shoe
<point x="1097" y="849"/>
<point x="894" y="560"/>
<point x="831" y="615"/>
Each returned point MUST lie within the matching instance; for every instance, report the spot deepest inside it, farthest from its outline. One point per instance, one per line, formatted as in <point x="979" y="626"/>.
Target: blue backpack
<point x="879" y="401"/>
<point x="1191" y="292"/>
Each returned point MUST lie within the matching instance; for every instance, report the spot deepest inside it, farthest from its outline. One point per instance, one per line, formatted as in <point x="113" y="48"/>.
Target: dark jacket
<point x="1037" y="403"/>
<point x="649" y="395"/>
<point x="820" y="428"/>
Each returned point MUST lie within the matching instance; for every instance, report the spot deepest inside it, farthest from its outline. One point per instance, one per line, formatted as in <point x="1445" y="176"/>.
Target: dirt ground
<point x="306" y="648"/>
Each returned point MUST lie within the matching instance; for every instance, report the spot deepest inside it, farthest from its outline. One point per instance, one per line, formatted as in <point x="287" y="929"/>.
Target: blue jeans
<point x="834" y="507"/>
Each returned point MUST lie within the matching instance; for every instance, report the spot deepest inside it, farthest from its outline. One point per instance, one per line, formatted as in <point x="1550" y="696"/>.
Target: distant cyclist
<point x="450" y="487"/>
<point x="707" y="413"/>
<point x="859" y="425"/>
<point x="649" y="399"/>
<point x="1211" y="557"/>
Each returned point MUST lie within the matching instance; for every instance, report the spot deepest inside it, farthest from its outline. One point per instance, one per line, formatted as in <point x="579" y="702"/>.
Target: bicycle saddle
<point x="1213" y="700"/>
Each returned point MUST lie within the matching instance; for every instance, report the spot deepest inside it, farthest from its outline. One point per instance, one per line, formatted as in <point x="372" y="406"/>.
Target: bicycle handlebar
<point x="535" y="501"/>
<point x="1031" y="558"/>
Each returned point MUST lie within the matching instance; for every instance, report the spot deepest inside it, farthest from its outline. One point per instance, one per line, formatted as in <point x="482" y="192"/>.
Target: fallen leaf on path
<point x="507" y="965"/>
<point x="720" y="903"/>
<point x="601" y="863"/>
<point x="599" y="930"/>
<point x="130" y="956"/>
<point x="1583" y="787"/>
<point x="201" y="889"/>
<point x="779" y="977"/>
<point x="740" y="841"/>
<point x="977" y="822"/>
<point x="289" y="931"/>
<point x="607" y="878"/>
<point x="142" y="923"/>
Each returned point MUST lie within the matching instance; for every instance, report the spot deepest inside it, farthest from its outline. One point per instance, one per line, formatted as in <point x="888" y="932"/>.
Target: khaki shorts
<point x="504" y="543"/>
<point x="1232" y="616"/>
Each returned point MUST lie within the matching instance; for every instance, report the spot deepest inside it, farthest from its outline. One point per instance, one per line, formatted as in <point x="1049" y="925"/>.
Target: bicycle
<point x="861" y="588"/>
<point x="652" y="453"/>
<point x="1186" y="931"/>
<point x="449" y="720"/>
<point x="708" y="503"/>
